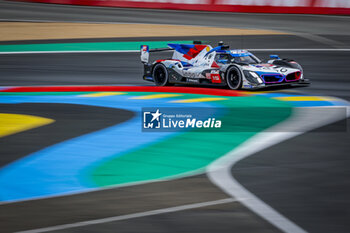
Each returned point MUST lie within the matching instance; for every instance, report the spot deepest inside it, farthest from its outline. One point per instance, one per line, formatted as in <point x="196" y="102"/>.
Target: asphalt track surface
<point x="327" y="70"/>
<point x="79" y="119"/>
<point x="305" y="178"/>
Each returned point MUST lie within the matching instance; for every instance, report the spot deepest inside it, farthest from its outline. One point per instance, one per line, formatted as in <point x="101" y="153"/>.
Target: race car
<point x="202" y="64"/>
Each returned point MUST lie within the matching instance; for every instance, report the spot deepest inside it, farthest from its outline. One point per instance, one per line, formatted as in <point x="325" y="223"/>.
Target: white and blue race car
<point x="202" y="64"/>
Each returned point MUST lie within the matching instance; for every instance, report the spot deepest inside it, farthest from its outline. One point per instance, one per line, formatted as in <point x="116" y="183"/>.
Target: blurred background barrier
<point x="336" y="7"/>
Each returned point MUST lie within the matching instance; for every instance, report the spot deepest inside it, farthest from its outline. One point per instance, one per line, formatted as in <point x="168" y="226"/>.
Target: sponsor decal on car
<point x="283" y="70"/>
<point x="192" y="80"/>
<point x="215" y="76"/>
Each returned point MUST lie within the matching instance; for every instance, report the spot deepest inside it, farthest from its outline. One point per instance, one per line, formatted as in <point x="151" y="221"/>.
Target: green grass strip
<point x="88" y="46"/>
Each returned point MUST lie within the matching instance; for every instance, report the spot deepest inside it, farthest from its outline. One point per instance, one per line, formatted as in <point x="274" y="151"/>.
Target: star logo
<point x="156" y="115"/>
<point x="151" y="119"/>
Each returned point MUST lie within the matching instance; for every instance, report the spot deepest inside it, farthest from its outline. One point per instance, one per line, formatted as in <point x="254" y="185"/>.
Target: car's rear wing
<point x="145" y="51"/>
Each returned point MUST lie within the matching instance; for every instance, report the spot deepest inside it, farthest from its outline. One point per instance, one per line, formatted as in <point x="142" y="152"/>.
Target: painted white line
<point x="85" y="51"/>
<point x="137" y="51"/>
<point x="219" y="172"/>
<point x="306" y="50"/>
<point x="131" y="216"/>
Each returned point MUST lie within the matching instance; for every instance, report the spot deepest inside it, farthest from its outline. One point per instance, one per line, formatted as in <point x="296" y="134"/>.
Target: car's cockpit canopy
<point x="232" y="56"/>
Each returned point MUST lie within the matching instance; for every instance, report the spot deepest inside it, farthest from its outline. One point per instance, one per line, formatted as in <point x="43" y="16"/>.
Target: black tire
<point x="160" y="75"/>
<point x="234" y="78"/>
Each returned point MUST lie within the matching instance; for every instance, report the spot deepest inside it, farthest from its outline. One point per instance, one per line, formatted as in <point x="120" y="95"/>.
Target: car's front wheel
<point x="234" y="78"/>
<point x="160" y="75"/>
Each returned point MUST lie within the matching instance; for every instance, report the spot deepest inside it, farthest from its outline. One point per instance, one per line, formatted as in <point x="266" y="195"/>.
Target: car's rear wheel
<point x="160" y="75"/>
<point x="234" y="78"/>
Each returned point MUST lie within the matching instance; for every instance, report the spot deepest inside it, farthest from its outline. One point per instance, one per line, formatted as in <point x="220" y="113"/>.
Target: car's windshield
<point x="245" y="59"/>
<point x="228" y="58"/>
<point x="223" y="58"/>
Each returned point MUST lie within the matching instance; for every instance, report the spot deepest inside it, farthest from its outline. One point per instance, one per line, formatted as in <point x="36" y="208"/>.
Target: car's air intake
<point x="272" y="78"/>
<point x="293" y="76"/>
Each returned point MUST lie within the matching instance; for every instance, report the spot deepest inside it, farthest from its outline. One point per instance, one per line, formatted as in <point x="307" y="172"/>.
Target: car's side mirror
<point x="274" y="56"/>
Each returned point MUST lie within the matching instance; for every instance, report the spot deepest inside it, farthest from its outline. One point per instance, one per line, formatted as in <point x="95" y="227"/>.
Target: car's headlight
<point x="256" y="76"/>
